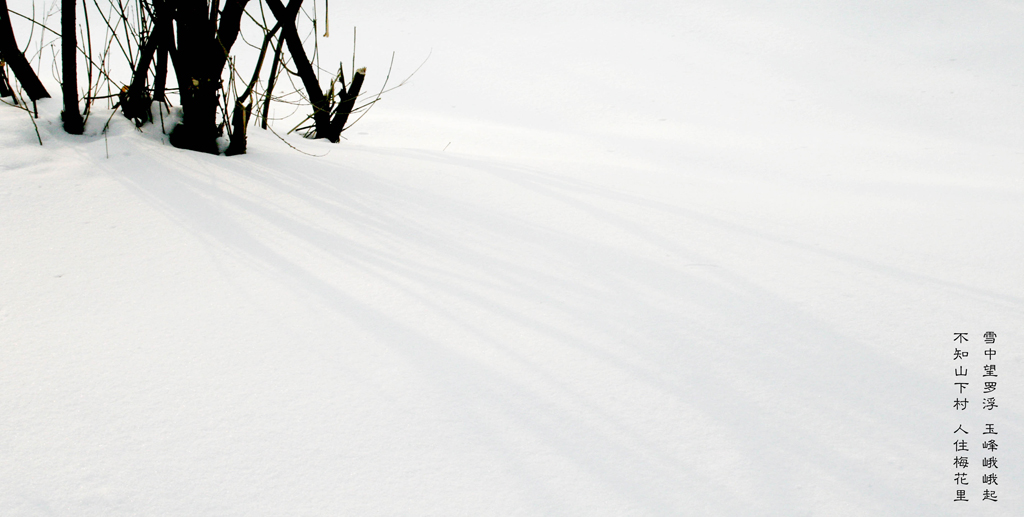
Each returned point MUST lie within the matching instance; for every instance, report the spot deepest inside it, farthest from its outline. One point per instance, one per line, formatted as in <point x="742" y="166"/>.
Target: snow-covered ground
<point x="593" y="259"/>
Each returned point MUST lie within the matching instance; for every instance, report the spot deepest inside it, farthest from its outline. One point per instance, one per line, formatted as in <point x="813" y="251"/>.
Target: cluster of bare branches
<point x="151" y="52"/>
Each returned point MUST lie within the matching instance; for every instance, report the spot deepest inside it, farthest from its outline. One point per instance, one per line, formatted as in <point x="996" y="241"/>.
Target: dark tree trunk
<point x="160" y="75"/>
<point x="286" y="17"/>
<point x="240" y="116"/>
<point x="165" y="13"/>
<point x="71" y="116"/>
<point x="10" y="53"/>
<point x="346" y="101"/>
<point x="203" y="53"/>
<point x="198" y="128"/>
<point x="270" y="81"/>
<point x="163" y="30"/>
<point x="239" y="121"/>
<point x="136" y="102"/>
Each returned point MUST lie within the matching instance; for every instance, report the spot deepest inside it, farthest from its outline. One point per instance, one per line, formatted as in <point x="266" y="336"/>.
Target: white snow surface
<point x="593" y="259"/>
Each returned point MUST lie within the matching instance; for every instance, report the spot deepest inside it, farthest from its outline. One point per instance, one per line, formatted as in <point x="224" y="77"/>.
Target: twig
<point x="107" y="126"/>
<point x="296" y="148"/>
<point x="33" y="119"/>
